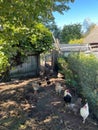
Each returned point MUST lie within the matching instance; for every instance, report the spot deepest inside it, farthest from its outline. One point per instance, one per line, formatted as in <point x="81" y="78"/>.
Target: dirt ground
<point x="20" y="109"/>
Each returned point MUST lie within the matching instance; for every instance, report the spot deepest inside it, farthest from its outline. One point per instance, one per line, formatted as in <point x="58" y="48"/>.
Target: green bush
<point x="81" y="72"/>
<point x="76" y="41"/>
<point x="64" y="69"/>
<point x="86" y="68"/>
<point x="4" y="68"/>
<point x="3" y="63"/>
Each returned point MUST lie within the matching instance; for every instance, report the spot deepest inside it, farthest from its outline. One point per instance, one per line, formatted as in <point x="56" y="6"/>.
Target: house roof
<point x="92" y="37"/>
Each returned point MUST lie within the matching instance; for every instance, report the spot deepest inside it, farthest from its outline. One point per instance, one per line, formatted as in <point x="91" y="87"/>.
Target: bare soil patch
<point x="20" y="109"/>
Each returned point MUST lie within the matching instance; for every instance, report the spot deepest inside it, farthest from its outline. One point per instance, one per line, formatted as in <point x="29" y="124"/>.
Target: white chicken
<point x="36" y="87"/>
<point x="58" y="88"/>
<point x="84" y="112"/>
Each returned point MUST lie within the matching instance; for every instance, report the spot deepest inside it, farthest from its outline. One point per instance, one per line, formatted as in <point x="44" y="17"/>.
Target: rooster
<point x="84" y="112"/>
<point x="67" y="96"/>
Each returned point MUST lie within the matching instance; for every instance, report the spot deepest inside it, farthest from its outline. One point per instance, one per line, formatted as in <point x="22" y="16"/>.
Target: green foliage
<point x="17" y="17"/>
<point x="3" y="63"/>
<point x="21" y="31"/>
<point x="76" y="41"/>
<point x="81" y="72"/>
<point x="41" y="37"/>
<point x="55" y="30"/>
<point x="86" y="68"/>
<point x="64" y="69"/>
<point x="37" y="40"/>
<point x="23" y="12"/>
<point x="71" y="32"/>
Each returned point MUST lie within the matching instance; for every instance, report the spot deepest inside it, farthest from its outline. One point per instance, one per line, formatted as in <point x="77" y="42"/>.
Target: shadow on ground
<point x="20" y="109"/>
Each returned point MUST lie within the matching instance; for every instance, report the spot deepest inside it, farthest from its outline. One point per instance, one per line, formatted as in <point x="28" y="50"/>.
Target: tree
<point x="23" y="12"/>
<point x="20" y="27"/>
<point x="55" y="30"/>
<point x="87" y="26"/>
<point x="70" y="32"/>
<point x="17" y="16"/>
<point x="35" y="41"/>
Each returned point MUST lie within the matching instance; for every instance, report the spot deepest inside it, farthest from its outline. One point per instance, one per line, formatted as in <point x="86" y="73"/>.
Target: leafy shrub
<point x="76" y="41"/>
<point x="81" y="72"/>
<point x="3" y="63"/>
<point x="64" y="69"/>
<point x="86" y="68"/>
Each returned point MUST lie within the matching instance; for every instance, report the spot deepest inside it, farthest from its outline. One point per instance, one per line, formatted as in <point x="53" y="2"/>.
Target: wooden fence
<point x="29" y="68"/>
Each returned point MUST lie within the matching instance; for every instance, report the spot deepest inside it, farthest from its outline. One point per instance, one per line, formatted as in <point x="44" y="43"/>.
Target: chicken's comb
<point x="85" y="106"/>
<point x="67" y="90"/>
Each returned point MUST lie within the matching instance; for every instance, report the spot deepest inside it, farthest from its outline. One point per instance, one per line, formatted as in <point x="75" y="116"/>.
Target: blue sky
<point x="79" y="10"/>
